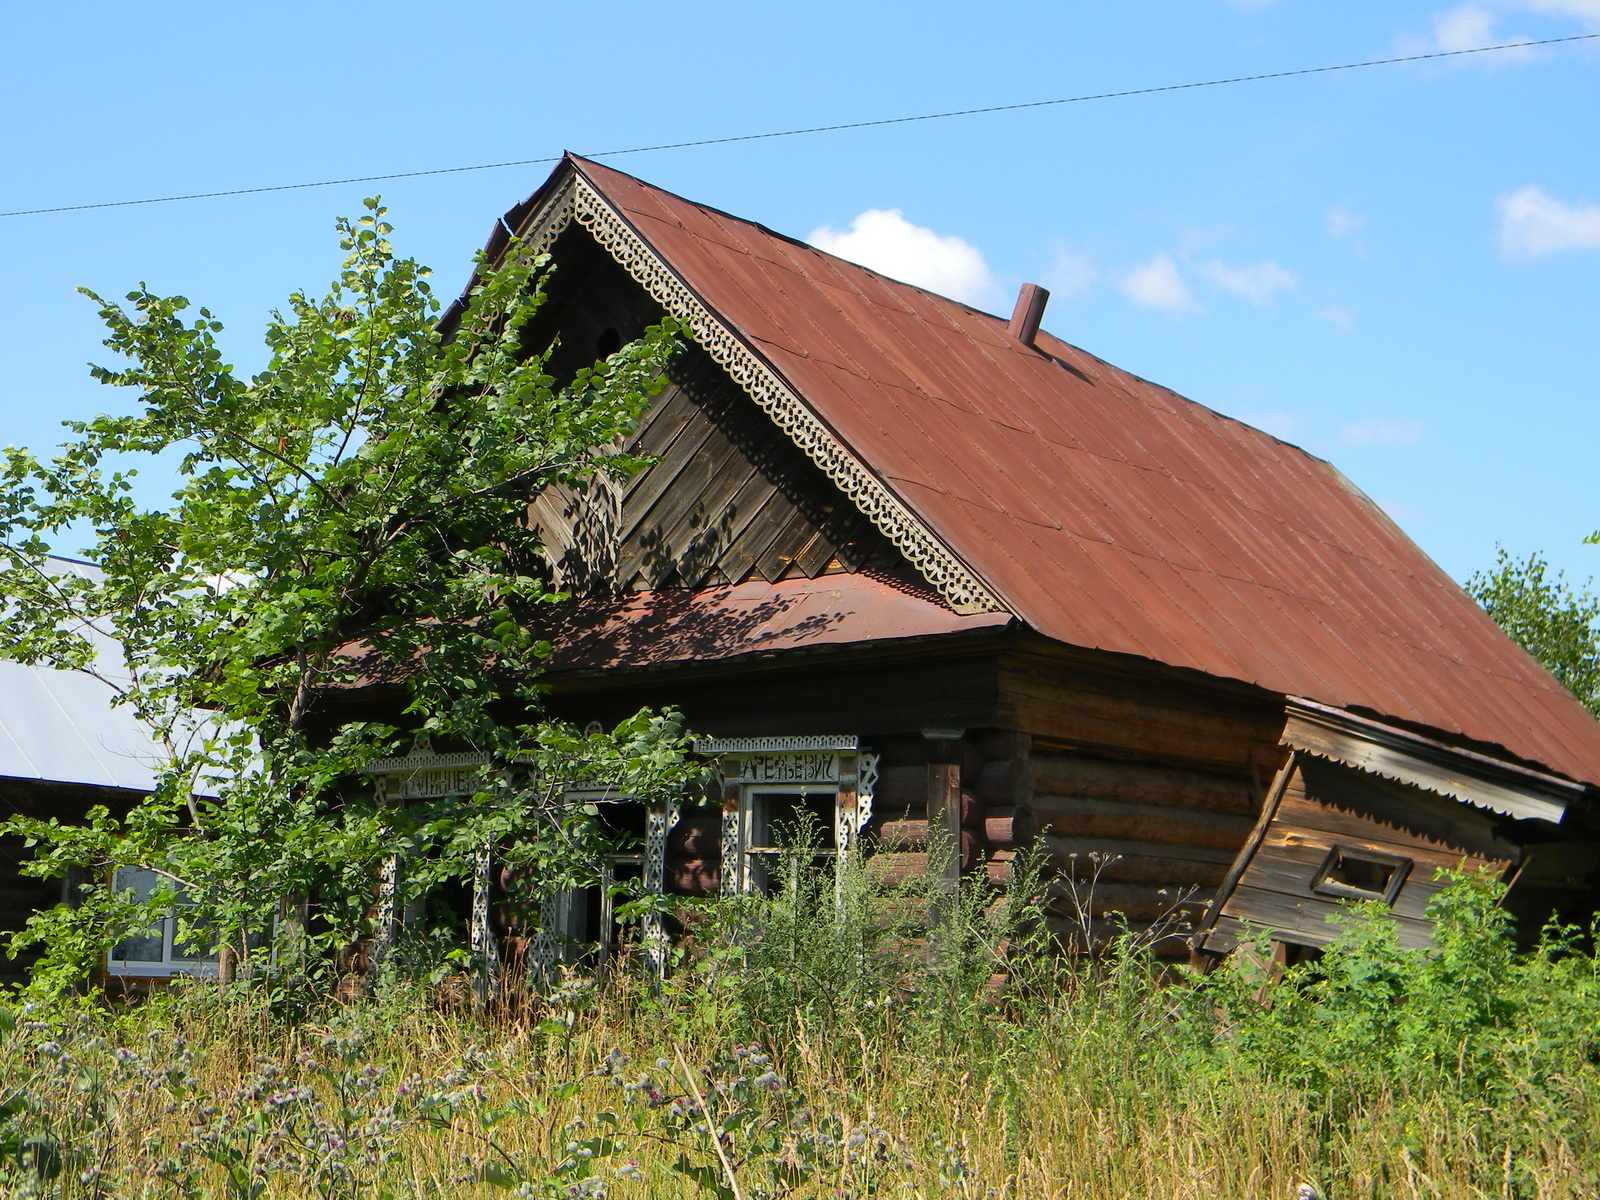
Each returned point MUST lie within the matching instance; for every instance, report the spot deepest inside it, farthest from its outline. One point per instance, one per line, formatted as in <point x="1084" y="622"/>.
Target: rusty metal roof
<point x="648" y="629"/>
<point x="1108" y="512"/>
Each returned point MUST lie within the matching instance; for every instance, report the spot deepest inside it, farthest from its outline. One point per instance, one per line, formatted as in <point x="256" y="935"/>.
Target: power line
<point x="784" y="133"/>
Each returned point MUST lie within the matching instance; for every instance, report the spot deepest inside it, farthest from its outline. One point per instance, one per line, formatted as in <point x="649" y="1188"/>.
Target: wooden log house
<point x="911" y="566"/>
<point x="939" y="578"/>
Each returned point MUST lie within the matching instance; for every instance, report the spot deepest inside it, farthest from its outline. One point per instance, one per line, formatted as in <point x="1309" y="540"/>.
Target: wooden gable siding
<point x="728" y="495"/>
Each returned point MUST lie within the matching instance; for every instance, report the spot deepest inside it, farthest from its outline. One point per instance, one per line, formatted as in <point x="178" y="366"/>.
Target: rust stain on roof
<point x="658" y="628"/>
<point x="1111" y="513"/>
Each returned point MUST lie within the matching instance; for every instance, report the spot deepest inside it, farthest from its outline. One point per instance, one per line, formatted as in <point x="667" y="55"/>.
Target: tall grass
<point x="819" y="1048"/>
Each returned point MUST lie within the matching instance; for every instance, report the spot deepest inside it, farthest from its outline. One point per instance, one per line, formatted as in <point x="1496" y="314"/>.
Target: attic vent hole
<point x="1361" y="874"/>
<point x="608" y="343"/>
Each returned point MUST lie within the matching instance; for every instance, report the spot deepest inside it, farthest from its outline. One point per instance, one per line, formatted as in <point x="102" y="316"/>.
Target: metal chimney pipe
<point x="1029" y="312"/>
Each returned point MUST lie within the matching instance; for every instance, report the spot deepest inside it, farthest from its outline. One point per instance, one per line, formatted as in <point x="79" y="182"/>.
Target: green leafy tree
<point x="1548" y="618"/>
<point x="354" y="511"/>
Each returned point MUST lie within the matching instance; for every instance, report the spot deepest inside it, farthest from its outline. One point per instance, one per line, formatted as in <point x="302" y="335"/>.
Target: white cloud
<point x="882" y="238"/>
<point x="1583" y="10"/>
<point x="1465" y="27"/>
<point x="1070" y="275"/>
<point x="1384" y="431"/>
<point x="1342" y="224"/>
<point x="1533" y="222"/>
<point x="1471" y="26"/>
<point x="1257" y="284"/>
<point x="1157" y="284"/>
<point x="1337" y="315"/>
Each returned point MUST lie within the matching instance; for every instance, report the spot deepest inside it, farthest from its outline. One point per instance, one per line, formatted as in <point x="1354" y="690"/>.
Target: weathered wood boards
<point x="1338" y="834"/>
<point x="1424" y="763"/>
<point x="727" y="496"/>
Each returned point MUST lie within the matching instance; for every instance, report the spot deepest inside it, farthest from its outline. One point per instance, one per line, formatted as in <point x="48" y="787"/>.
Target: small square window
<point x="1362" y="874"/>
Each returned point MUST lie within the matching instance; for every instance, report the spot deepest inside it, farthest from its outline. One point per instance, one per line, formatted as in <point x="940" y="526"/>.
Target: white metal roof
<point x="61" y="725"/>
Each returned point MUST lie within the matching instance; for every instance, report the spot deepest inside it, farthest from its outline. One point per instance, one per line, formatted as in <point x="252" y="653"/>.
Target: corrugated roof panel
<point x="1321" y="595"/>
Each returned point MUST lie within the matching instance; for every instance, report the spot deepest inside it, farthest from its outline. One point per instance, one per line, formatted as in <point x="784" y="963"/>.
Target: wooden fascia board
<point x="1408" y="758"/>
<point x="575" y="198"/>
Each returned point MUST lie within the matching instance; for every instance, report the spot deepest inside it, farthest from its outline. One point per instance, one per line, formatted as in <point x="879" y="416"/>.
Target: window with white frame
<point x="789" y="804"/>
<point x="582" y="923"/>
<point x="788" y="829"/>
<point x="162" y="949"/>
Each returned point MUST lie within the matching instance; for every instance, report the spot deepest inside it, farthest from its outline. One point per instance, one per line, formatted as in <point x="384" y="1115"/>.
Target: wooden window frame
<point x="1323" y="884"/>
<point x="751" y="855"/>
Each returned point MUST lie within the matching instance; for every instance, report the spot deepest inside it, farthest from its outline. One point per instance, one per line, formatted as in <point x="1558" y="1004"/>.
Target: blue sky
<point x="1398" y="268"/>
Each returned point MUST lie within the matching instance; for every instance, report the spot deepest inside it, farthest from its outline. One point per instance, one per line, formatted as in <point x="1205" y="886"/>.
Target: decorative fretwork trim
<point x="732" y="852"/>
<point x="866" y="782"/>
<point x="577" y="199"/>
<point x="775" y="745"/>
<point x="428" y="762"/>
<point x="541" y="233"/>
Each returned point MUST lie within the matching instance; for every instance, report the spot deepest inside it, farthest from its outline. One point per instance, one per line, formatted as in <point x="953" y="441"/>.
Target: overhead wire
<point x="877" y="122"/>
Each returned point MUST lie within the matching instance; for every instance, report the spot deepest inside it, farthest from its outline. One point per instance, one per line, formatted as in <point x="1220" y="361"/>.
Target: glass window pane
<point x="144" y="946"/>
<point x="136" y="880"/>
<point x="199" y="946"/>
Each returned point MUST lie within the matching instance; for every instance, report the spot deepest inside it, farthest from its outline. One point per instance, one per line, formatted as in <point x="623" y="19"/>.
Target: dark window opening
<point x="1292" y="954"/>
<point x="787" y="831"/>
<point x="1361" y="874"/>
<point x="608" y="343"/>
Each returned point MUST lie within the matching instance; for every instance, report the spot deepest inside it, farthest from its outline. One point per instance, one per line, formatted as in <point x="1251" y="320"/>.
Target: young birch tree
<point x="357" y="506"/>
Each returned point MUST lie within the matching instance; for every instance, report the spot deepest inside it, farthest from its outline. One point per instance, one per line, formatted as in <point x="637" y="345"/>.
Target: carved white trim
<point x="427" y="762"/>
<point x="578" y="200"/>
<point x="659" y="822"/>
<point x="485" y="954"/>
<point x="732" y="851"/>
<point x="866" y="782"/>
<point x="775" y="745"/>
<point x="541" y="232"/>
<point x="386" y="918"/>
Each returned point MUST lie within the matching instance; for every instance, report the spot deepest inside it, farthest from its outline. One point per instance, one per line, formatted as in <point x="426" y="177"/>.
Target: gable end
<point x="575" y="199"/>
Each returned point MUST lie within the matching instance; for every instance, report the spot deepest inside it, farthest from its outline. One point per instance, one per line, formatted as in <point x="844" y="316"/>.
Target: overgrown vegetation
<point x="354" y="512"/>
<point x="822" y="1051"/>
<point x="1553" y="621"/>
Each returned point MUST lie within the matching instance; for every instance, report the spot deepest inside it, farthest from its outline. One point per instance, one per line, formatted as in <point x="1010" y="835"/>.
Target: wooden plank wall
<point x="729" y="497"/>
<point x="1325" y="805"/>
<point x="1142" y="786"/>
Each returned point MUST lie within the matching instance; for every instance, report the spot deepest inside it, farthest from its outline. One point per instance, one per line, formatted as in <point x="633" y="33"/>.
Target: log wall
<point x="1142" y="785"/>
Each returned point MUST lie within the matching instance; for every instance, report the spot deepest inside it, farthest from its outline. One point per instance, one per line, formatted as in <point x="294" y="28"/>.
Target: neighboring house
<point x="64" y="748"/>
<point x="914" y="567"/>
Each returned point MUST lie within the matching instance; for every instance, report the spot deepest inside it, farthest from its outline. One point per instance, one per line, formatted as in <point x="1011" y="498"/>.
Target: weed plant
<point x="825" y="1041"/>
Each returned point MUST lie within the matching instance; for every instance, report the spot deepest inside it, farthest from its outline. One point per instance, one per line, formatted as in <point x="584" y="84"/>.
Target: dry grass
<point x="1078" y="1094"/>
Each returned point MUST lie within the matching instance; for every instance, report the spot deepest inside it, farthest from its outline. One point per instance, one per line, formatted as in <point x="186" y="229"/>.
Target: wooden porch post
<point x="944" y="817"/>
